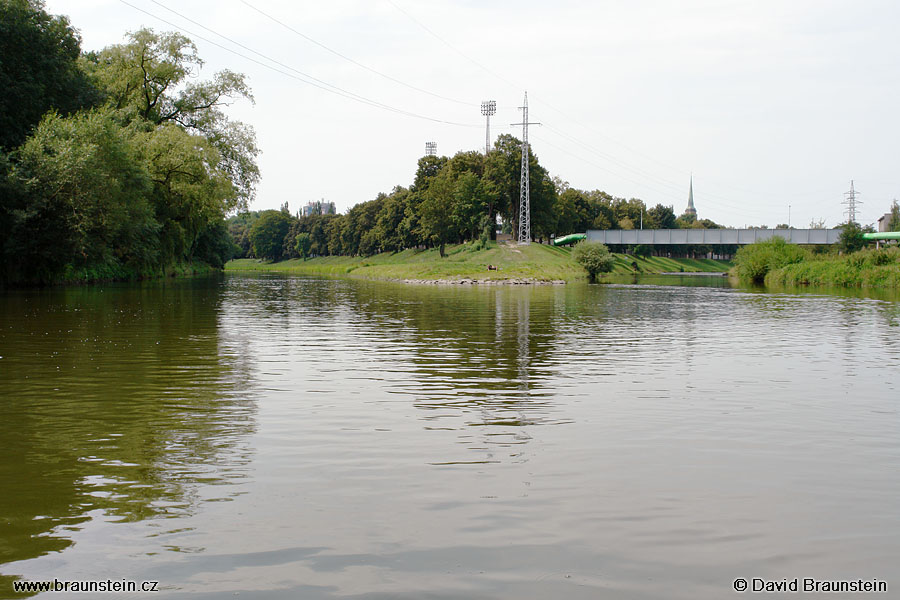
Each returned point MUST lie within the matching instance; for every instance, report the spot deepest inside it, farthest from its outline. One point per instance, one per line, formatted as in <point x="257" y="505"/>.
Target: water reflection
<point x="443" y="441"/>
<point x="117" y="401"/>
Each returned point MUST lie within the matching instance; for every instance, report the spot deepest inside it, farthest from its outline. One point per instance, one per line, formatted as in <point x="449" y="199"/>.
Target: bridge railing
<point x="711" y="237"/>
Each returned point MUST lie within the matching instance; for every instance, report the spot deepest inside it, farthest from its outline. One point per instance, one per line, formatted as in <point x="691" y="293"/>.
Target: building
<point x="884" y="223"/>
<point x="319" y="207"/>
<point x="690" y="211"/>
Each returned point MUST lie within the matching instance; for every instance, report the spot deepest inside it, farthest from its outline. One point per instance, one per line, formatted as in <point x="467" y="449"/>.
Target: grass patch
<point x="535" y="261"/>
<point x="863" y="269"/>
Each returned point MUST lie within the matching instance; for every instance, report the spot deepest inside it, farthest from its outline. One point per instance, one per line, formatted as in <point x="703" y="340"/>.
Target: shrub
<point x="594" y="257"/>
<point x="753" y="262"/>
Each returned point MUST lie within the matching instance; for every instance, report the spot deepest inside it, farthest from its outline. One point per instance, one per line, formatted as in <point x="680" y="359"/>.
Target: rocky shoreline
<point x="469" y="281"/>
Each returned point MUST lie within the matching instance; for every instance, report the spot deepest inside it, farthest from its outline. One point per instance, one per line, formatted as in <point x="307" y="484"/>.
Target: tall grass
<point x="865" y="268"/>
<point x="754" y="262"/>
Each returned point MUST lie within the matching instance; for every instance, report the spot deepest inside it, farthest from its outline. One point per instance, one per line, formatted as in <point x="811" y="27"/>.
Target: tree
<point x="660" y="217"/>
<point x="502" y="175"/>
<point x="894" y="222"/>
<point x="817" y="224"/>
<point x="303" y="243"/>
<point x="594" y="257"/>
<point x="39" y="69"/>
<point x="388" y="222"/>
<point x="469" y="205"/>
<point x="149" y="80"/>
<point x="86" y="197"/>
<point x="436" y="211"/>
<point x="851" y="238"/>
<point x="239" y="229"/>
<point x="267" y="234"/>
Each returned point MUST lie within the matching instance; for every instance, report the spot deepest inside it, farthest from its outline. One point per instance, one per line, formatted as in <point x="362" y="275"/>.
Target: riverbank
<point x="778" y="264"/>
<point x="863" y="269"/>
<point x="72" y="276"/>
<point x="532" y="263"/>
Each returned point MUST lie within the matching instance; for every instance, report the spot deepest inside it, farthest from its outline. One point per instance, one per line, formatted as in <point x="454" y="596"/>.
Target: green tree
<point x="151" y="79"/>
<point x="303" y="243"/>
<point x="268" y="233"/>
<point x="894" y="222"/>
<point x="239" y="229"/>
<point x="388" y="229"/>
<point x="660" y="217"/>
<point x="86" y="197"/>
<point x="39" y="69"/>
<point x="594" y="257"/>
<point x="436" y="211"/>
<point x="502" y="175"/>
<point x="469" y="205"/>
<point x="851" y="239"/>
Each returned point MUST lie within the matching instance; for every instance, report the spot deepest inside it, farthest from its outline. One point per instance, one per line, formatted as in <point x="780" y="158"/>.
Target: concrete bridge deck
<point x="709" y="237"/>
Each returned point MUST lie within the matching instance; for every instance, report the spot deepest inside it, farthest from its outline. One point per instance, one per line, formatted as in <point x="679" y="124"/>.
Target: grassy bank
<point x="863" y="269"/>
<point x="778" y="264"/>
<point x="535" y="261"/>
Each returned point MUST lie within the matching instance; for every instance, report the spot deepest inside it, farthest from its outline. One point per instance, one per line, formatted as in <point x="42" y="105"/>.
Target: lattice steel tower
<point x="430" y="148"/>
<point x="488" y="108"/>
<point x="851" y="203"/>
<point x="524" y="236"/>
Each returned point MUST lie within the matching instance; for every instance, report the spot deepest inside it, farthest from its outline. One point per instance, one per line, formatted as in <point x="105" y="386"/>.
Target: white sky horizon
<point x="773" y="107"/>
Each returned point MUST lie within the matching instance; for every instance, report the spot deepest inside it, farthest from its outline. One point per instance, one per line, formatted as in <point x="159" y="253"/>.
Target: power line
<point x="355" y="62"/>
<point x="452" y="47"/>
<point x="563" y="113"/>
<point x="303" y="77"/>
<point x="669" y="195"/>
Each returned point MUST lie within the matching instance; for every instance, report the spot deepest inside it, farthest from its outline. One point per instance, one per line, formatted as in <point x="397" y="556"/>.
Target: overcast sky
<point x="773" y="105"/>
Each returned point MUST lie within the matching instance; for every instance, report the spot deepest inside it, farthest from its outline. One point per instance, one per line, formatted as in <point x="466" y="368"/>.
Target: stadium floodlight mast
<point x="488" y="108"/>
<point x="430" y="148"/>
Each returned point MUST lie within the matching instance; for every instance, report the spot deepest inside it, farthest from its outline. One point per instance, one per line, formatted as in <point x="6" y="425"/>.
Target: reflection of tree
<point x="478" y="356"/>
<point x="121" y="399"/>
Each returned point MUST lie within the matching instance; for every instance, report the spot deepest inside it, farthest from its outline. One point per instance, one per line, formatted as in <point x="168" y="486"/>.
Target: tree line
<point x="118" y="163"/>
<point x="453" y="200"/>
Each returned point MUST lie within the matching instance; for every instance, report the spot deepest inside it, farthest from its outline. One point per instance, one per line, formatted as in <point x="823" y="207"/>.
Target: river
<point x="282" y="437"/>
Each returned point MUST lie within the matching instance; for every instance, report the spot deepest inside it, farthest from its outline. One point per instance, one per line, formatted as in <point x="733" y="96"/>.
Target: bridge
<point x="710" y="237"/>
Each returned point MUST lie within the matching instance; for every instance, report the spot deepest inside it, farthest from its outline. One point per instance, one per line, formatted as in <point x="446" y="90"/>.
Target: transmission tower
<point x="488" y="108"/>
<point x="430" y="148"/>
<point x="524" y="236"/>
<point x="851" y="203"/>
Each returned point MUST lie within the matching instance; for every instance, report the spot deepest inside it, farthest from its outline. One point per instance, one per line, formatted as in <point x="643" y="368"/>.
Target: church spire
<point x="690" y="210"/>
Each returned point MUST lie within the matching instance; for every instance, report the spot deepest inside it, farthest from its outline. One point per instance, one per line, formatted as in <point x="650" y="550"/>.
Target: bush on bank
<point x="866" y="268"/>
<point x="594" y="257"/>
<point x="754" y="262"/>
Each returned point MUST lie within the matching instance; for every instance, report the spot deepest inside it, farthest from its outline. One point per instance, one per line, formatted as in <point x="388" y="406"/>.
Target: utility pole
<point x="851" y="203"/>
<point x="524" y="236"/>
<point x="430" y="148"/>
<point x="488" y="108"/>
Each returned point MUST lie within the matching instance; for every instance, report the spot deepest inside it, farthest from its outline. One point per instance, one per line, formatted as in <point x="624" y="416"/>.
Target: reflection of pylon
<point x="851" y="203"/>
<point x="524" y="236"/>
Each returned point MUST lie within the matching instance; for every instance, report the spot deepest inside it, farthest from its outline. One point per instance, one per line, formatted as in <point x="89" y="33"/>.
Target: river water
<point x="274" y="437"/>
